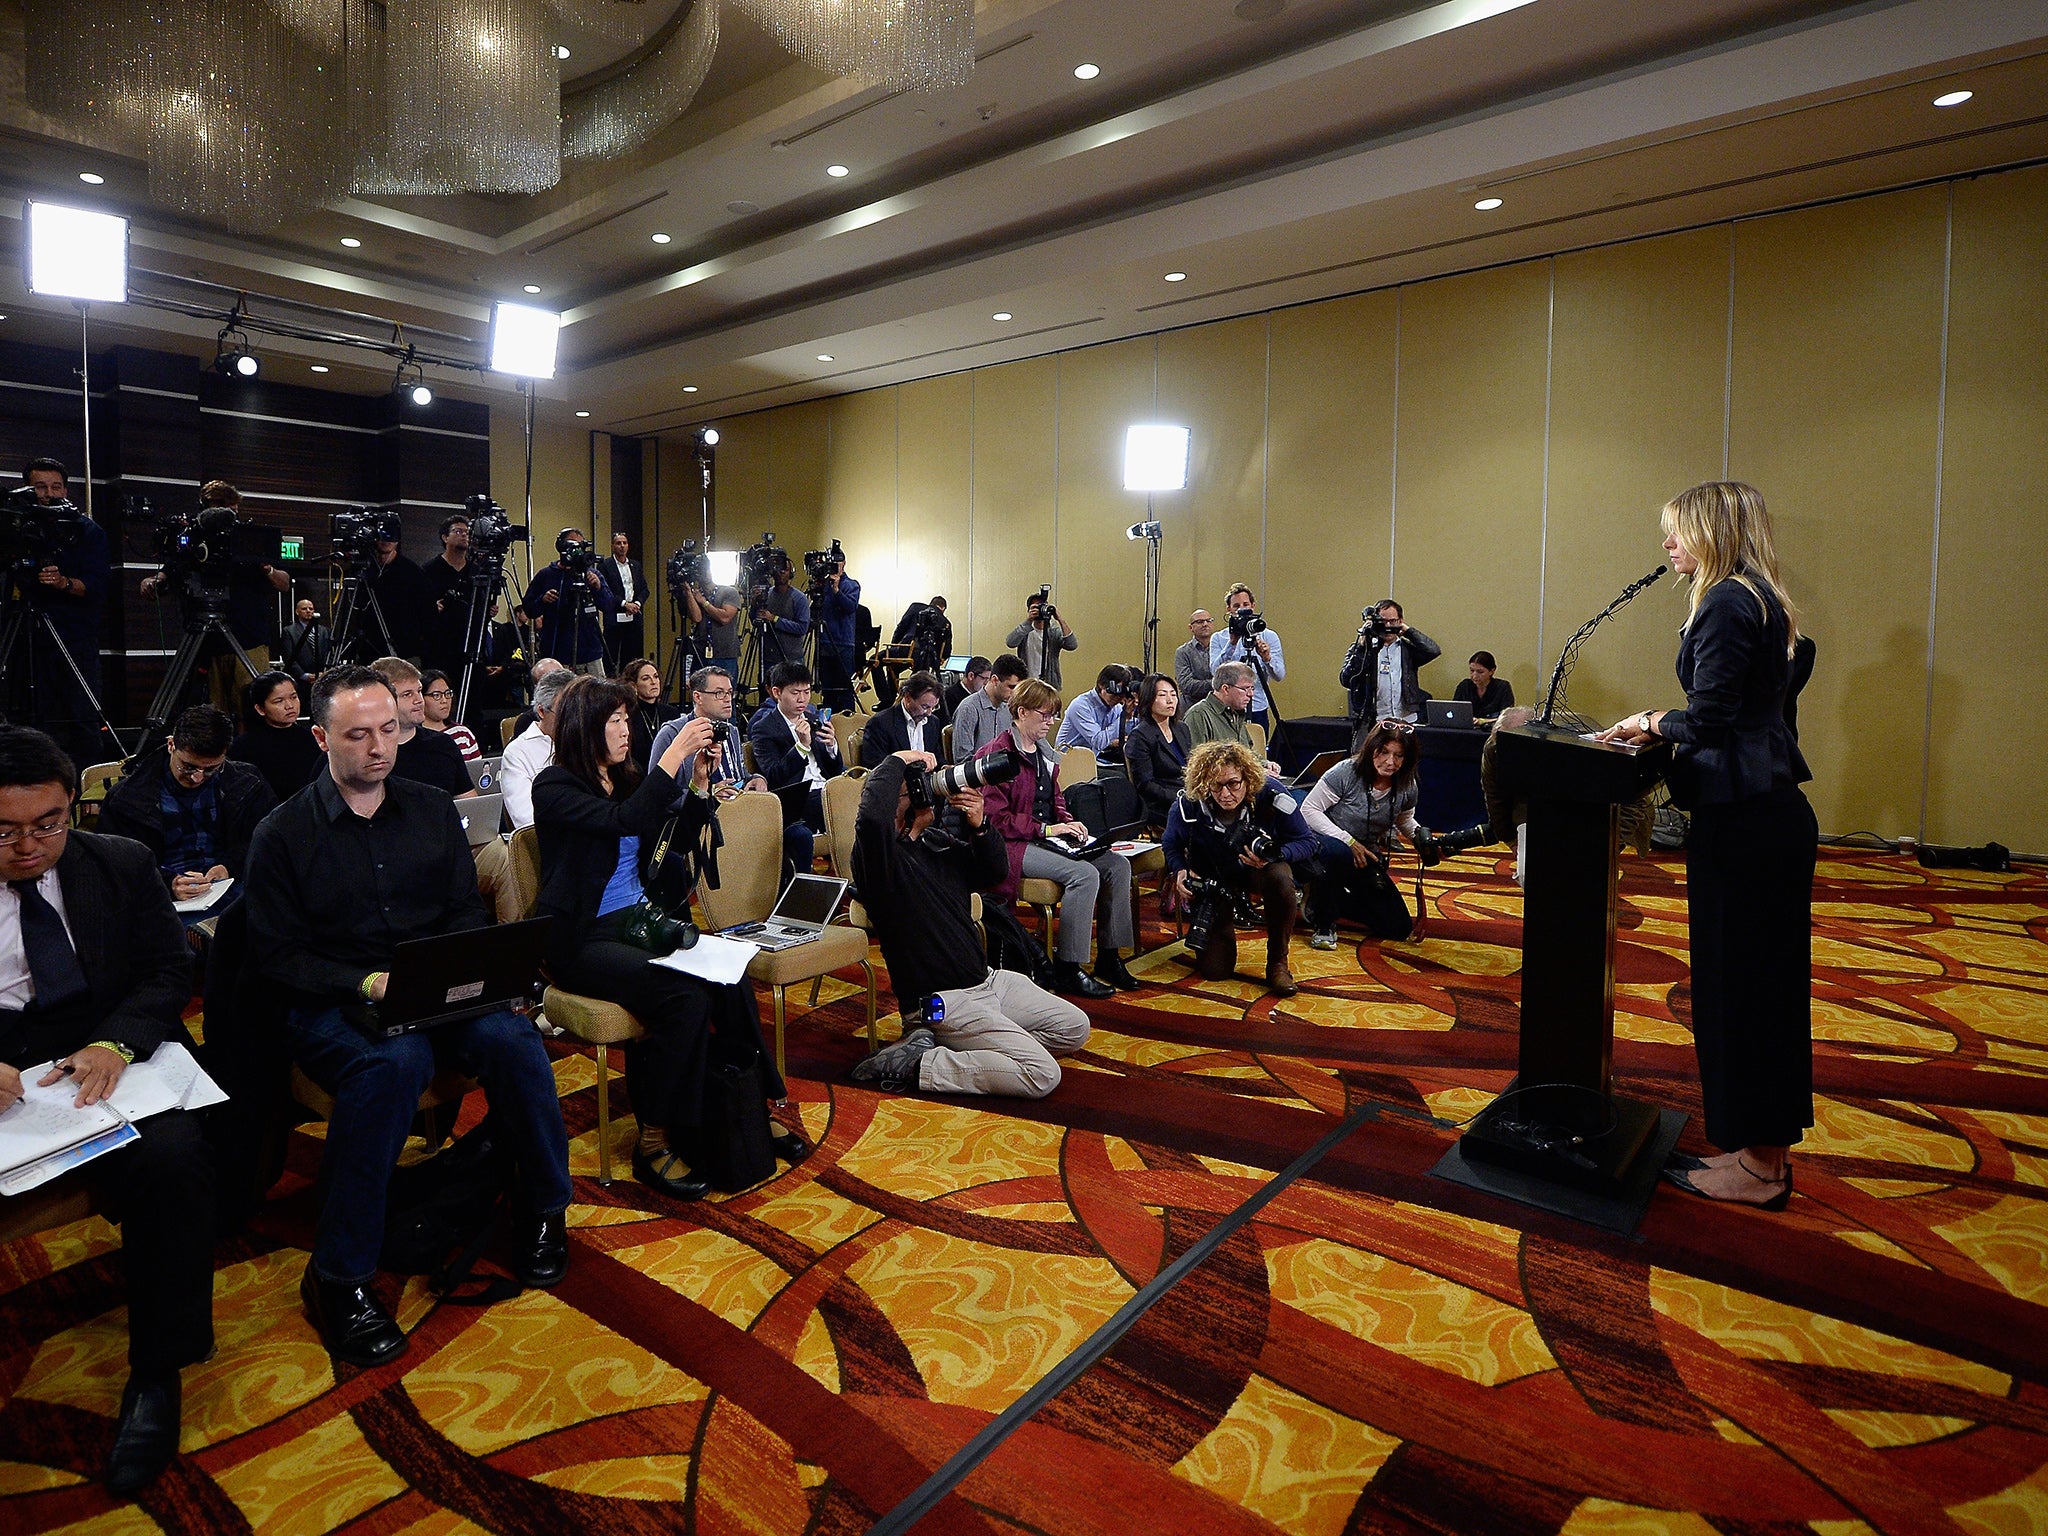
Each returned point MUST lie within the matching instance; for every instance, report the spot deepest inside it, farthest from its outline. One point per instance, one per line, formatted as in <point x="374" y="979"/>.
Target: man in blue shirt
<point x="555" y="593"/>
<point x="1263" y="648"/>
<point x="1100" y="720"/>
<point x="837" y="596"/>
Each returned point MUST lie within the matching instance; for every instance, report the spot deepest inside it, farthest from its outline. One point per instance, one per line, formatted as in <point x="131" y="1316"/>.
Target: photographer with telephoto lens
<point x="1231" y="831"/>
<point x="569" y="603"/>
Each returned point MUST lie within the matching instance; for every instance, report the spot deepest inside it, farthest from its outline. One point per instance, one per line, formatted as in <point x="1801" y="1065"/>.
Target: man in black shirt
<point x="999" y="1031"/>
<point x="403" y="597"/>
<point x="447" y="584"/>
<point x="339" y="875"/>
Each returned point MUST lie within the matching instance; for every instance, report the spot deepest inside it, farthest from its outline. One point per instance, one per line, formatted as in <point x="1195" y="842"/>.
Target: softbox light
<point x="523" y="340"/>
<point x="1155" y="458"/>
<point x="74" y="253"/>
<point x="725" y="566"/>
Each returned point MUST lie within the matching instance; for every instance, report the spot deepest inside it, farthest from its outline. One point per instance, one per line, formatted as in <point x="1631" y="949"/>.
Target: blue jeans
<point x="377" y="1085"/>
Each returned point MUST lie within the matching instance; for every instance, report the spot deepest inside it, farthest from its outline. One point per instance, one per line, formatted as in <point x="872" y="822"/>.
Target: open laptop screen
<point x="810" y="900"/>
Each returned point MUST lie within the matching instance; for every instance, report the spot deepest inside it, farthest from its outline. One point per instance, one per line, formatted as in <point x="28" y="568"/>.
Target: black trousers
<point x="1749" y="898"/>
<point x="691" y="1026"/>
<point x="161" y="1190"/>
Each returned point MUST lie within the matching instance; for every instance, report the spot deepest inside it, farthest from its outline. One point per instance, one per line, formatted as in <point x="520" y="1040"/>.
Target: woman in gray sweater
<point x="1355" y="811"/>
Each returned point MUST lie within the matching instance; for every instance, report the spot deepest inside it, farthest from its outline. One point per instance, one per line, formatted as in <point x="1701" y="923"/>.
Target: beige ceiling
<point x="1333" y="146"/>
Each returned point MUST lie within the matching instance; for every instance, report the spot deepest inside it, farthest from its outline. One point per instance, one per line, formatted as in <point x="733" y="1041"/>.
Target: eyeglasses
<point x="196" y="773"/>
<point x="714" y="693"/>
<point x="1228" y="784"/>
<point x="440" y="693"/>
<point x="1398" y="727"/>
<point x="41" y="834"/>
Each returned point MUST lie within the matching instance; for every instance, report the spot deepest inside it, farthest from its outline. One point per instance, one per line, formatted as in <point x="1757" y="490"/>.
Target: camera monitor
<point x="957" y="663"/>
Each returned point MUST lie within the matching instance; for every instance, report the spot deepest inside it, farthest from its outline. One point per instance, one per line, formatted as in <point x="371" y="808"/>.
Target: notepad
<point x="713" y="959"/>
<point x="46" y="1133"/>
<point x="201" y="903"/>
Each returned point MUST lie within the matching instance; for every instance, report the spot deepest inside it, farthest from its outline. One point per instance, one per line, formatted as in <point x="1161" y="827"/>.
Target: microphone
<point x="1571" y="647"/>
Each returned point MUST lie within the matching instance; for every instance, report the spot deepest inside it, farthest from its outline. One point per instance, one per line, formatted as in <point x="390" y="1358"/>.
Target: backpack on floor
<point x="439" y="1214"/>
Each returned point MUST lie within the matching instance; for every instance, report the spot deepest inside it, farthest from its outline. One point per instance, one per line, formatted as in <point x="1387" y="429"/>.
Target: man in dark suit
<point x="911" y="724"/>
<point x="796" y="751"/>
<point x="624" y="632"/>
<point x="95" y="974"/>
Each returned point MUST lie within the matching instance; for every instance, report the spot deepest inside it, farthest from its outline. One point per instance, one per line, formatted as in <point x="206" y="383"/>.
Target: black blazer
<point x="608" y="573"/>
<point x="1732" y="741"/>
<point x="1158" y="763"/>
<point x="889" y="732"/>
<point x="133" y="951"/>
<point x="579" y="844"/>
<point x="777" y="757"/>
<point x="134" y="806"/>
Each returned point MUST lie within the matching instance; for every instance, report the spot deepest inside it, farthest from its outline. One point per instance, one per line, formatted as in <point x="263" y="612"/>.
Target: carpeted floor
<point x="1379" y="1351"/>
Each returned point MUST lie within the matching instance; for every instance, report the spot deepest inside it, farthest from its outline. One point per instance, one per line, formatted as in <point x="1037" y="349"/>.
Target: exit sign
<point x="291" y="549"/>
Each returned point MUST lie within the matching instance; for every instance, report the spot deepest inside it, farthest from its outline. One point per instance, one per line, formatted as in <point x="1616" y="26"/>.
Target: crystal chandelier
<point x="912" y="45"/>
<point x="628" y="109"/>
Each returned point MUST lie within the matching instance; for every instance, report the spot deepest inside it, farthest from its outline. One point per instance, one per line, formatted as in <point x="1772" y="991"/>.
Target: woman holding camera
<point x="1749" y="860"/>
<point x="650" y="710"/>
<point x="274" y="741"/>
<point x="1354" y="811"/>
<point x="1030" y="812"/>
<point x="1156" y="752"/>
<point x="603" y="827"/>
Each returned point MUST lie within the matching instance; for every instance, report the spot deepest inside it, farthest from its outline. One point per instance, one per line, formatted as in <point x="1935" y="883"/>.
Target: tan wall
<point x="1493" y="449"/>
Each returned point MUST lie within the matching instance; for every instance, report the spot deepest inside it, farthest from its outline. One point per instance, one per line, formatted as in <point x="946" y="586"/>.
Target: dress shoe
<point x="1110" y="967"/>
<point x="1068" y="977"/>
<point x="664" y="1171"/>
<point x="1280" y="980"/>
<point x="146" y="1438"/>
<point x="352" y="1323"/>
<point x="542" y="1256"/>
<point x="789" y="1146"/>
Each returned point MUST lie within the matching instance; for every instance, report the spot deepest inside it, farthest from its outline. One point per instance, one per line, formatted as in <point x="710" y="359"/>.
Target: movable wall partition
<point x="1492" y="448"/>
<point x="163" y="423"/>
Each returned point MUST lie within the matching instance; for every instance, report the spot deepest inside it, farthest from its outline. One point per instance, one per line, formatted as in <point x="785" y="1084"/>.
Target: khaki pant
<point x="494" y="880"/>
<point x="225" y="679"/>
<point x="999" y="1037"/>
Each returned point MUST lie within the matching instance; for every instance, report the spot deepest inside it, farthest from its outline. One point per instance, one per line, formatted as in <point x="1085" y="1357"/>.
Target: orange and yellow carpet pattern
<point x="1379" y="1351"/>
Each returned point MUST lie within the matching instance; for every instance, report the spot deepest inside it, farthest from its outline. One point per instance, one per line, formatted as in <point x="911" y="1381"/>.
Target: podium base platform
<point x="1605" y="1181"/>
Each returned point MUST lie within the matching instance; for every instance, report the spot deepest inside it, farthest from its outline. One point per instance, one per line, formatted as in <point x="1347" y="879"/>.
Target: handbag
<point x="730" y="1146"/>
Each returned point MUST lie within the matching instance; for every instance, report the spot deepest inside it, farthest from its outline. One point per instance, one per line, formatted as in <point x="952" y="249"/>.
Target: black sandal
<point x="657" y="1170"/>
<point x="789" y="1146"/>
<point x="1682" y="1177"/>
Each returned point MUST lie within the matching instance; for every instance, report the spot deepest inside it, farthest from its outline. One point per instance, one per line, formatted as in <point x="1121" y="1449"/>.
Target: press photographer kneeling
<point x="984" y="1031"/>
<point x="1231" y="831"/>
<point x="617" y="868"/>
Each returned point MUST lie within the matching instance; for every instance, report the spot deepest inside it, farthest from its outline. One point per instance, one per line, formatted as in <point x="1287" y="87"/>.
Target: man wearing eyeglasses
<point x="95" y="974"/>
<point x="1225" y="715"/>
<point x="711" y="698"/>
<point x="190" y="805"/>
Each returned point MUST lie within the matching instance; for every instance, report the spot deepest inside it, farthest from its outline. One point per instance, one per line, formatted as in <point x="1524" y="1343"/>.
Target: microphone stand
<point x="1570" y="654"/>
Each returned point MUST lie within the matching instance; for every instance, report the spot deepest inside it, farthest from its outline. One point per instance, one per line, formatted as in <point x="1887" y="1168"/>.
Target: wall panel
<point x="1990" y="758"/>
<point x="1638" y="373"/>
<point x="1837" y="375"/>
<point x="933" y="492"/>
<point x="860" y="494"/>
<point x="1329" y="500"/>
<point x="1016" y="441"/>
<point x="1468" y="516"/>
<point x="1101" y="574"/>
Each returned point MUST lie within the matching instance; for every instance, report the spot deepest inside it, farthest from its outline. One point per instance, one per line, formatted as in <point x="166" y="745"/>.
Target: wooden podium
<point x="1561" y="1121"/>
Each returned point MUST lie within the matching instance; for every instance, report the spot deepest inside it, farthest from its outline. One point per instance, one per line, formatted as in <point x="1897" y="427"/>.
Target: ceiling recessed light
<point x="742" y="206"/>
<point x="561" y="52"/>
<point x="688" y="389"/>
<point x="661" y="239"/>
<point x="1953" y="98"/>
<point x="533" y="287"/>
<point x="836" y="170"/>
<point x="1487" y="204"/>
<point x="582" y="413"/>
<point x="94" y="178"/>
<point x="1002" y="314"/>
<point x="319" y="367"/>
<point x="1087" y="71"/>
<point x="824" y="357"/>
<point x="1176" y="277"/>
<point x="350" y="242"/>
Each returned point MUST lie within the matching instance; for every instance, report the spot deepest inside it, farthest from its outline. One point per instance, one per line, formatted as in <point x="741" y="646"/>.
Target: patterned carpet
<point x="1379" y="1351"/>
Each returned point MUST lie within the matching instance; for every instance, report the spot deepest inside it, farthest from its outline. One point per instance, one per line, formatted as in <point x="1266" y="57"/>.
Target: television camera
<point x="32" y="532"/>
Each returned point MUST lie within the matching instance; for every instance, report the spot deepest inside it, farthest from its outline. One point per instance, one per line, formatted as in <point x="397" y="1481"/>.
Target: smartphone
<point x="824" y="714"/>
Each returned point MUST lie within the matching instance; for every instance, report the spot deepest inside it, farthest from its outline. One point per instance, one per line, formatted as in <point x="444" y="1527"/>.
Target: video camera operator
<point x="983" y="1030"/>
<point x="251" y="612"/>
<point x="1101" y="720"/>
<point x="1233" y="831"/>
<point x="1379" y="669"/>
<point x="710" y="610"/>
<point x="928" y="632"/>
<point x="1247" y="638"/>
<point x="448" y="583"/>
<point x="569" y="602"/>
<point x="68" y="571"/>
<point x="1039" y="640"/>
<point x="835" y="602"/>
<point x="402" y="594"/>
<point x="782" y="607"/>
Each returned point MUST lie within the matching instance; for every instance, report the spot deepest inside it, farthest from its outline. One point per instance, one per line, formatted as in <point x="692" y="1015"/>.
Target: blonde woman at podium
<point x="1737" y="769"/>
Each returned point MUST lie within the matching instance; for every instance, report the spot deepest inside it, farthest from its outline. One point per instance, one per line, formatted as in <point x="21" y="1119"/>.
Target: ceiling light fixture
<point x="411" y="381"/>
<point x="1487" y="204"/>
<point x="837" y="170"/>
<point x="1087" y="71"/>
<point x="824" y="357"/>
<point x="351" y="243"/>
<point x="661" y="239"/>
<point x="561" y="52"/>
<point x="1002" y="314"/>
<point x="232" y="357"/>
<point x="95" y="179"/>
<point x="1952" y="99"/>
<point x="533" y="287"/>
<point x="689" y="389"/>
<point x="319" y="367"/>
<point x="1176" y="277"/>
<point x="581" y="414"/>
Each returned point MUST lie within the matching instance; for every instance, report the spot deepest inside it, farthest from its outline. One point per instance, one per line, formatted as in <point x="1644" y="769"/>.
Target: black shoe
<point x="352" y="1323"/>
<point x="1110" y="967"/>
<point x="655" y="1171"/>
<point x="542" y="1257"/>
<point x="1068" y="977"/>
<point x="1684" y="1162"/>
<point x="894" y="1068"/>
<point x="146" y="1438"/>
<point x="789" y="1146"/>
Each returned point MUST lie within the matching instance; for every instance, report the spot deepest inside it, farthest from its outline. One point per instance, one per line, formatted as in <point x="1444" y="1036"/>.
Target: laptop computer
<point x="1454" y="714"/>
<point x="483" y="773"/>
<point x="1319" y="765"/>
<point x="807" y="905"/>
<point x="455" y="976"/>
<point x="481" y="817"/>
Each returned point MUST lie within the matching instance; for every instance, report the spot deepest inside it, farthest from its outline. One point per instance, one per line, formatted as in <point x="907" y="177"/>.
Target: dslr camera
<point x="1043" y="601"/>
<point x="492" y="533"/>
<point x="578" y="556"/>
<point x="1245" y="623"/>
<point x="31" y="533"/>
<point x="688" y="567"/>
<point x="1432" y="846"/>
<point x="358" y="531"/>
<point x="931" y="787"/>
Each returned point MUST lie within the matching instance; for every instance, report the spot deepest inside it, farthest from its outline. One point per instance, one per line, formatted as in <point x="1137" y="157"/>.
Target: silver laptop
<point x="1319" y="765"/>
<point x="807" y="905"/>
<point x="483" y="773"/>
<point x="481" y="815"/>
<point x="1453" y="713"/>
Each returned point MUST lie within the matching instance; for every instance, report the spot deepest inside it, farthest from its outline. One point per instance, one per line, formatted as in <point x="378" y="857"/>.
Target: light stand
<point x="85" y="393"/>
<point x="1150" y="532"/>
<point x="1155" y="459"/>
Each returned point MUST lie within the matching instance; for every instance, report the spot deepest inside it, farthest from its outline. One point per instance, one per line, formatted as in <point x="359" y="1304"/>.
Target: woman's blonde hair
<point x="1036" y="695"/>
<point x="1207" y="762"/>
<point x="1725" y="526"/>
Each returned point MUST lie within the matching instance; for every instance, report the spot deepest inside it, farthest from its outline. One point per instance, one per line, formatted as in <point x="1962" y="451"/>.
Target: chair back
<point x="526" y="869"/>
<point x="849" y="741"/>
<point x="96" y="775"/>
<point x="749" y="862"/>
<point x="1077" y="766"/>
<point x="507" y="729"/>
<point x="945" y="746"/>
<point x="1258" y="735"/>
<point x="842" y="806"/>
<point x="747" y="756"/>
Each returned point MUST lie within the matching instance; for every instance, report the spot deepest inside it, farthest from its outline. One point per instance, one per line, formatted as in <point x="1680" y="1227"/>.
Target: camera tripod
<point x="1258" y="667"/>
<point x="684" y="657"/>
<point x="205" y="614"/>
<point x="570" y="606"/>
<point x="356" y="594"/>
<point x="486" y="578"/>
<point x="25" y="617"/>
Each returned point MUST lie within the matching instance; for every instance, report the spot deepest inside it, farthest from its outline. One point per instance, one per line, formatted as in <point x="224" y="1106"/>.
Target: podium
<point x="1560" y="1122"/>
